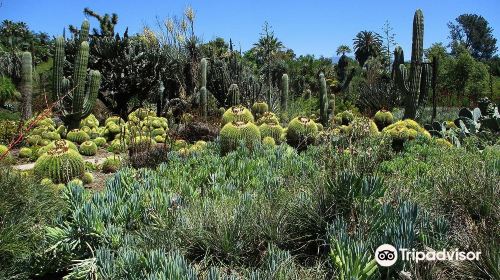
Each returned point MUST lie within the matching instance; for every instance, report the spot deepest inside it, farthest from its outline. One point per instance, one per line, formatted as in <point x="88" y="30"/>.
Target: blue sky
<point x="307" y="26"/>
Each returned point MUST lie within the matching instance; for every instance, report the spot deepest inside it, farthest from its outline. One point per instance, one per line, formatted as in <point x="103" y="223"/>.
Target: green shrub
<point x="111" y="164"/>
<point x="26" y="208"/>
<point x="383" y="118"/>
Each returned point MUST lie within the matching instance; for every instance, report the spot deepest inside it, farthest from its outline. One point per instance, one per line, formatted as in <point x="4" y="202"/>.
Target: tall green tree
<point x="343" y="49"/>
<point x="473" y="32"/>
<point x="367" y="44"/>
<point x="267" y="50"/>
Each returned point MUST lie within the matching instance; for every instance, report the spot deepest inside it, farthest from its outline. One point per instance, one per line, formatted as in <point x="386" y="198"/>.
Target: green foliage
<point x="473" y="32"/>
<point x="383" y="118"/>
<point x="367" y="44"/>
<point x="237" y="133"/>
<point x="8" y="130"/>
<point x="88" y="148"/>
<point x="111" y="164"/>
<point x="26" y="207"/>
<point x="8" y="91"/>
<point x="60" y="164"/>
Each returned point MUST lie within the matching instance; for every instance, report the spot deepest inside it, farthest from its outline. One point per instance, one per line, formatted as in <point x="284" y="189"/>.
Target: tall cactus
<point x="203" y="102"/>
<point x="284" y="92"/>
<point x="323" y="100"/>
<point x="203" y="74"/>
<point x="26" y="84"/>
<point x="83" y="35"/>
<point x="415" y="84"/>
<point x="80" y="96"/>
<point x="234" y="94"/>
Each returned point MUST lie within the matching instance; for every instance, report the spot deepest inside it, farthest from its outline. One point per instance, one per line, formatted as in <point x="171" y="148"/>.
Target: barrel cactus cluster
<point x="405" y="130"/>
<point x="237" y="133"/>
<point x="301" y="132"/>
<point x="383" y="118"/>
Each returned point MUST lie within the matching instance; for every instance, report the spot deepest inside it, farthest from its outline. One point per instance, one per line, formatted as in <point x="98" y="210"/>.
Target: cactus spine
<point x="203" y="102"/>
<point x="234" y="93"/>
<point x="323" y="100"/>
<point x="284" y="92"/>
<point x="26" y="84"/>
<point x="414" y="84"/>
<point x="85" y="87"/>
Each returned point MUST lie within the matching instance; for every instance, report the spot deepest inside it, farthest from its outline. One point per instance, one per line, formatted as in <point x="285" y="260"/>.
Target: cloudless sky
<point x="306" y="26"/>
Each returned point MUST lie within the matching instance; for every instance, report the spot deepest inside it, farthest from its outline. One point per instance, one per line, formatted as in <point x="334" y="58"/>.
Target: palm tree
<point x="367" y="44"/>
<point x="343" y="49"/>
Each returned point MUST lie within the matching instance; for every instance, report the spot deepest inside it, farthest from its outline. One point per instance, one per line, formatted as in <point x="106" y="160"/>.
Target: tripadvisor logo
<point x="386" y="255"/>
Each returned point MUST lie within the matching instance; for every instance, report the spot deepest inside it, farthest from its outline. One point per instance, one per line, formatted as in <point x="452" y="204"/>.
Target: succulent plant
<point x="237" y="113"/>
<point x="234" y="94"/>
<point x="179" y="144"/>
<point x="111" y="164"/>
<point x="269" y="118"/>
<point x="237" y="133"/>
<point x="88" y="148"/>
<point x="87" y="178"/>
<point x="204" y="102"/>
<point x="415" y="83"/>
<point x="301" y="132"/>
<point x="383" y="118"/>
<point x="117" y="146"/>
<point x="61" y="164"/>
<point x="274" y="131"/>
<point x="100" y="141"/>
<point x="90" y="121"/>
<point x="57" y="143"/>
<point x="344" y="118"/>
<point x="323" y="100"/>
<point x="25" y="152"/>
<point x="26" y="87"/>
<point x="5" y="150"/>
<point x="268" y="142"/>
<point x="77" y="136"/>
<point x="402" y="131"/>
<point x="284" y="92"/>
<point x="259" y="109"/>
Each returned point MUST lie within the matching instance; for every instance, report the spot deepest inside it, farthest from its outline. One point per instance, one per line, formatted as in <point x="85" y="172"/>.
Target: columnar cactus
<point x="26" y="84"/>
<point x="323" y="100"/>
<point x="414" y="84"/>
<point x="234" y="94"/>
<point x="203" y="102"/>
<point x="203" y="74"/>
<point x="84" y="87"/>
<point x="284" y="92"/>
